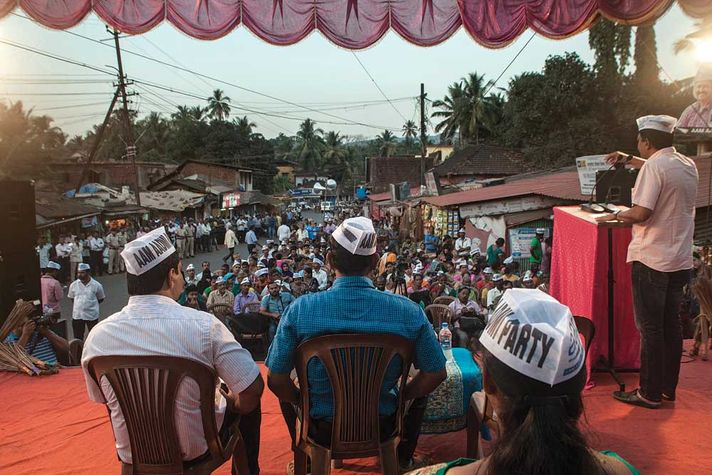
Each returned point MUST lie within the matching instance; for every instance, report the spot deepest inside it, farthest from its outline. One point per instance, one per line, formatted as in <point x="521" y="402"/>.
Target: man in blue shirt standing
<point x="312" y="230"/>
<point x="353" y="305"/>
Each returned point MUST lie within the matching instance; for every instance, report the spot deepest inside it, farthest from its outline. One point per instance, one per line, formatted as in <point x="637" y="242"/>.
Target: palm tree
<point x="182" y="113"/>
<point x="463" y="108"/>
<point x="197" y="113"/>
<point x="386" y="143"/>
<point x="334" y="154"/>
<point x="410" y="132"/>
<point x="219" y="105"/>
<point x="309" y="145"/>
<point x="244" y="126"/>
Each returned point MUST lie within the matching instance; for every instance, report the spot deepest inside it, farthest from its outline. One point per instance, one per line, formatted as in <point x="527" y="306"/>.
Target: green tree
<point x="219" y="105"/>
<point x="610" y="42"/>
<point x="410" y="132"/>
<point x="244" y="126"/>
<point x="28" y="142"/>
<point x="463" y="109"/>
<point x="386" y="142"/>
<point x="645" y="57"/>
<point x="309" y="145"/>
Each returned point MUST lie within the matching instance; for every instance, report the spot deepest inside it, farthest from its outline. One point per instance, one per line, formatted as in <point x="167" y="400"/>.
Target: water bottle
<point x="445" y="337"/>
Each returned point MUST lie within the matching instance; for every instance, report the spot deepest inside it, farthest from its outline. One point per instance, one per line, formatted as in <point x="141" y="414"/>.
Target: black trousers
<point x="321" y="429"/>
<point x="230" y="250"/>
<point x="250" y="430"/>
<point x="656" y="301"/>
<point x="96" y="260"/>
<point x="78" y="327"/>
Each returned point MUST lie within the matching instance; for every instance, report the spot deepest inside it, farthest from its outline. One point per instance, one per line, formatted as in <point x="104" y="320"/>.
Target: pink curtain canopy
<point x="354" y="24"/>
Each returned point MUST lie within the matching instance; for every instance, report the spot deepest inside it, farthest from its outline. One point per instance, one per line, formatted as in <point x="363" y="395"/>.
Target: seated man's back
<point x="154" y="324"/>
<point x="157" y="325"/>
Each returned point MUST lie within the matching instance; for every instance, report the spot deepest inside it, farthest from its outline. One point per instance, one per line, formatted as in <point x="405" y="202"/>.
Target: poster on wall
<point x="485" y="230"/>
<point x="520" y="240"/>
<point x="230" y="200"/>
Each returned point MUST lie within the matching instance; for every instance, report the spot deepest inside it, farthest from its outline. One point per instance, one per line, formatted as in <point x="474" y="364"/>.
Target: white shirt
<point x="96" y="244"/>
<point x="667" y="185"/>
<point x="86" y="299"/>
<point x="302" y="234"/>
<point x="250" y="237"/>
<point x="283" y="233"/>
<point x="63" y="250"/>
<point x="493" y="295"/>
<point x="321" y="277"/>
<point x="463" y="243"/>
<point x="230" y="238"/>
<point x="157" y="325"/>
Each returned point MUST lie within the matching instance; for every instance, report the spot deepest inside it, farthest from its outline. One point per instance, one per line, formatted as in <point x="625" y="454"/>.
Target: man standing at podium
<point x="663" y="219"/>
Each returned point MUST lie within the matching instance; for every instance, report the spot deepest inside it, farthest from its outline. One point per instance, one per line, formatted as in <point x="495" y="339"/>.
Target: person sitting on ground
<point x="193" y="299"/>
<point x="154" y="324"/>
<point x="353" y="305"/>
<point x="40" y="342"/>
<point x="537" y="400"/>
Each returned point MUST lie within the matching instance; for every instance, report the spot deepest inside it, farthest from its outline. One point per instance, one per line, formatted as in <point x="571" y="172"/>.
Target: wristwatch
<point x="616" y="213"/>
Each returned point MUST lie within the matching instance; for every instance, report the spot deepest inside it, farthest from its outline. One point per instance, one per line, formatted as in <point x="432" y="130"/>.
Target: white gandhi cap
<point x="146" y="252"/>
<point x="357" y="236"/>
<point x="535" y="335"/>
<point x="662" y="123"/>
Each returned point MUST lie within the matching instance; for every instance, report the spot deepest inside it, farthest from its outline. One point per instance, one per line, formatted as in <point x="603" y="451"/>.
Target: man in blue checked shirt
<point x="353" y="305"/>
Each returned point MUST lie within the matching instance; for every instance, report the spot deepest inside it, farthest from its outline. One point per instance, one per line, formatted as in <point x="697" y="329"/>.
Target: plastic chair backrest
<point x="438" y="313"/>
<point x="356" y="365"/>
<point x="586" y="328"/>
<point x="444" y="300"/>
<point x="146" y="389"/>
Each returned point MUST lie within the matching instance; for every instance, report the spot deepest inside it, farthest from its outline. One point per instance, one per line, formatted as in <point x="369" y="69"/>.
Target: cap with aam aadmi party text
<point x="662" y="123"/>
<point x="357" y="236"/>
<point x="535" y="335"/>
<point x="146" y="252"/>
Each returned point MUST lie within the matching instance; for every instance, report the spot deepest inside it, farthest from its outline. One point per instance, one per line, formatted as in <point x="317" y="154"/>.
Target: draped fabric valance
<point x="354" y="24"/>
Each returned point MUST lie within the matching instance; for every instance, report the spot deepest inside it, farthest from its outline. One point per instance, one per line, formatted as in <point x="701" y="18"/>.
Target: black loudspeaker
<point x="19" y="264"/>
<point x="615" y="186"/>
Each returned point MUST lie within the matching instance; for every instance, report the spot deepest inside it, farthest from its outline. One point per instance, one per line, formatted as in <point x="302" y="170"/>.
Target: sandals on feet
<point x="635" y="399"/>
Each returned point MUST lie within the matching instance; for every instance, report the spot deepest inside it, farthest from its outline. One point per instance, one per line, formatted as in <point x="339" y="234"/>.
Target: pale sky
<point x="313" y="73"/>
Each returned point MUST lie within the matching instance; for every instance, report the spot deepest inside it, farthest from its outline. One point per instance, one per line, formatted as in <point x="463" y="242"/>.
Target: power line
<point x="221" y="81"/>
<point x="378" y="87"/>
<point x="71" y="106"/>
<point x="509" y="64"/>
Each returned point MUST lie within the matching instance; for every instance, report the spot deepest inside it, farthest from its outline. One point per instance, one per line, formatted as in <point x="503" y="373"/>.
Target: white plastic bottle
<point x="445" y="337"/>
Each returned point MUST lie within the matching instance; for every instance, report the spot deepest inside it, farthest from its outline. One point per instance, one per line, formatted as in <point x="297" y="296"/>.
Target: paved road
<point x="115" y="285"/>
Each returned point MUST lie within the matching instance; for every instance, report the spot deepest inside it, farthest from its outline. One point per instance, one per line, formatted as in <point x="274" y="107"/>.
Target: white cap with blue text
<point x="146" y="252"/>
<point x="357" y="236"/>
<point x="662" y="123"/>
<point x="535" y="335"/>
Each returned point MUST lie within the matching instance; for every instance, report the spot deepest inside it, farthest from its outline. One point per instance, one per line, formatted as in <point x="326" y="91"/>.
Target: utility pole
<point x="423" y="138"/>
<point x="130" y="143"/>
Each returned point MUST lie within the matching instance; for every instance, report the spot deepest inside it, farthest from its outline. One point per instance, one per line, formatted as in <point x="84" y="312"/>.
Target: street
<point x="115" y="285"/>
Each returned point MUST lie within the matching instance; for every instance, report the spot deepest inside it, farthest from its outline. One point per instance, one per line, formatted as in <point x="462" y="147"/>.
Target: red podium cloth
<point x="579" y="279"/>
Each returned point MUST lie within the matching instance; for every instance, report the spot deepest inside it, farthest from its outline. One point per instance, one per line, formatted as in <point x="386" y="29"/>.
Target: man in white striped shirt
<point x="153" y="323"/>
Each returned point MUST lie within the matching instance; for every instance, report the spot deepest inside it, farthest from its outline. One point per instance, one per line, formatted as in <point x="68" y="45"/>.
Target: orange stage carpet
<point x="47" y="425"/>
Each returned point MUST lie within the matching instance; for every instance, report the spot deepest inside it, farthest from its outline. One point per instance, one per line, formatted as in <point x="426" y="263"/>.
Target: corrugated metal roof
<point x="562" y="184"/>
<point x="53" y="206"/>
